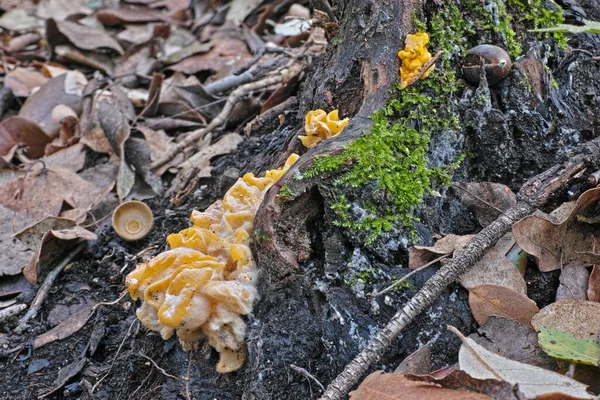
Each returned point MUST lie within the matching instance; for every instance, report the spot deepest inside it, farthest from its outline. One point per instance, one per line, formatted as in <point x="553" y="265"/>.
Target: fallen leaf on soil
<point x="420" y="255"/>
<point x="533" y="381"/>
<point x="15" y="131"/>
<point x="127" y="14"/>
<point x="557" y="241"/>
<point x="62" y="311"/>
<point x="240" y="9"/>
<point x="193" y="48"/>
<point x="487" y="200"/>
<point x="96" y="140"/>
<point x="18" y="19"/>
<point x="419" y="362"/>
<point x="14" y="255"/>
<point x="65" y="329"/>
<point x="22" y="81"/>
<point x="65" y="89"/>
<point x="514" y="341"/>
<point x="66" y="373"/>
<point x="580" y="318"/>
<point x="573" y="283"/>
<point x="495" y="268"/>
<point x="47" y="238"/>
<point x="565" y="346"/>
<point x="380" y="385"/>
<point x="66" y="53"/>
<point x="593" y="290"/>
<point x="13" y="285"/>
<point x="493" y="300"/>
<point x="60" y="9"/>
<point x="97" y="335"/>
<point x="81" y="36"/>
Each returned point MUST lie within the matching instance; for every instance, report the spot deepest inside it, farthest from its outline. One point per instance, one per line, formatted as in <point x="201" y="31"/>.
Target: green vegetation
<point x="286" y="194"/>
<point x="393" y="153"/>
<point x="536" y="16"/>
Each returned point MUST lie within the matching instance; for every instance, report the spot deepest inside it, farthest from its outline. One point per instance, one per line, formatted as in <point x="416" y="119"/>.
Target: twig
<point x="162" y="371"/>
<point x="307" y="374"/>
<point x="234" y="80"/>
<point x="533" y="194"/>
<point x="425" y="67"/>
<point x="45" y="288"/>
<point x="8" y="312"/>
<point x="234" y="97"/>
<point x="188" y="396"/>
<point x="112" y="364"/>
<point x="405" y="277"/>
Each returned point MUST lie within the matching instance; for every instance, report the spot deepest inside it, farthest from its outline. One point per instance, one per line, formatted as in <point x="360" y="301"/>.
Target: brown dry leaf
<point x="420" y="255"/>
<point x="65" y="89"/>
<point x="96" y="60"/>
<point x="127" y="14"/>
<point x="493" y="300"/>
<point x="96" y="140"/>
<point x="13" y="285"/>
<point x="61" y="9"/>
<point x="65" y="329"/>
<point x="159" y="142"/>
<point x="16" y="131"/>
<point x="580" y="318"/>
<point x="240" y="9"/>
<point x="193" y="48"/>
<point x="81" y="36"/>
<point x="533" y="381"/>
<point x="18" y="20"/>
<point x="573" y="283"/>
<point x="514" y="341"/>
<point x="495" y="268"/>
<point x="15" y="255"/>
<point x="561" y="240"/>
<point x="487" y="200"/>
<point x="380" y="385"/>
<point x="22" y="81"/>
<point x="593" y="290"/>
<point x="71" y="158"/>
<point x="47" y="238"/>
<point x="419" y="362"/>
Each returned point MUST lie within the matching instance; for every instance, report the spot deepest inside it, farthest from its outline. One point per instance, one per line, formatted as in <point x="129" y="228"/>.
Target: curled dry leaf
<point x="66" y="89"/>
<point x="380" y="385"/>
<point x="493" y="300"/>
<point x="22" y="81"/>
<point x="16" y="131"/>
<point x="487" y="200"/>
<point x="81" y="36"/>
<point x="514" y="341"/>
<point x="481" y="363"/>
<point x="581" y="318"/>
<point x="420" y="255"/>
<point x="560" y="241"/>
<point x="15" y="255"/>
<point x="66" y="328"/>
<point x="573" y="283"/>
<point x="127" y="14"/>
<point x="593" y="290"/>
<point x="419" y="362"/>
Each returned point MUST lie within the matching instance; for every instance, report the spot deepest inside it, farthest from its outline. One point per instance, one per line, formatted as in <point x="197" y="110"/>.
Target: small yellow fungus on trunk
<point x="414" y="56"/>
<point x="319" y="125"/>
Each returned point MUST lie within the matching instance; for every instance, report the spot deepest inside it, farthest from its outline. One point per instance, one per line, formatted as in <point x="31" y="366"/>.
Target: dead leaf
<point x="193" y="48"/>
<point x="559" y="241"/>
<point x="65" y="89"/>
<point x="13" y="285"/>
<point x="533" y="381"/>
<point x="419" y="362"/>
<point x="18" y="20"/>
<point x="514" y="341"/>
<point x="61" y="9"/>
<point x="81" y="36"/>
<point x="22" y="81"/>
<point x="71" y="158"/>
<point x="95" y="60"/>
<point x="14" y="255"/>
<point x="493" y="300"/>
<point x="153" y="95"/>
<point x="127" y="14"/>
<point x="240" y="9"/>
<point x="573" y="283"/>
<point x="66" y="373"/>
<point x="419" y="255"/>
<point x="487" y="200"/>
<point x="15" y="131"/>
<point x="593" y="290"/>
<point x="159" y="142"/>
<point x="495" y="268"/>
<point x="380" y="385"/>
<point x="65" y="329"/>
<point x="96" y="140"/>
<point x="580" y="318"/>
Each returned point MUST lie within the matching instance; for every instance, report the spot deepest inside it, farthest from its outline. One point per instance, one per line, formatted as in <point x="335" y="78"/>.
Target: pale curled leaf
<point x="533" y="381"/>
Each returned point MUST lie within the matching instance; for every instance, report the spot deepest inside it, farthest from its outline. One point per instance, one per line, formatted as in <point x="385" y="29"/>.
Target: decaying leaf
<point x="580" y="318"/>
<point x="514" y="341"/>
<point x="493" y="300"/>
<point x="419" y="255"/>
<point x="22" y="81"/>
<point x="565" y="346"/>
<point x="593" y="290"/>
<point x="533" y="381"/>
<point x="380" y="385"/>
<point x="419" y="362"/>
<point x="17" y="131"/>
<point x="65" y="329"/>
<point x="573" y="283"/>
<point x="81" y="36"/>
<point x="557" y="242"/>
<point x="487" y="200"/>
<point x="15" y="255"/>
<point x="494" y="268"/>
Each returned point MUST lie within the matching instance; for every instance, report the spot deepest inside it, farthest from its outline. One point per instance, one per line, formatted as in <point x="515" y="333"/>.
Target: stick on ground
<point x="533" y="194"/>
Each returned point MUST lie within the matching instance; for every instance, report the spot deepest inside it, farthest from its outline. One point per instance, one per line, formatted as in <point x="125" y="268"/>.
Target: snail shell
<point x="496" y="60"/>
<point x="132" y="220"/>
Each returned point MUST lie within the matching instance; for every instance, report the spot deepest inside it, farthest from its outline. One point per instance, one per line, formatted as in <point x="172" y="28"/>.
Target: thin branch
<point x="533" y="194"/>
<point x="162" y="371"/>
<point x="46" y="286"/>
<point x="307" y="374"/>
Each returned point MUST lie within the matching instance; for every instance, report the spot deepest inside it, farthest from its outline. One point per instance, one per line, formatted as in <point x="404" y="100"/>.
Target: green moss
<point x="535" y="15"/>
<point x="261" y="238"/>
<point x="364" y="276"/>
<point x="286" y="194"/>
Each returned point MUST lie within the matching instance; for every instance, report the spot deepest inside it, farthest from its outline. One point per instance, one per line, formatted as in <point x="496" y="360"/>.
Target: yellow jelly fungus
<point x="319" y="125"/>
<point x="200" y="288"/>
<point x="414" y="56"/>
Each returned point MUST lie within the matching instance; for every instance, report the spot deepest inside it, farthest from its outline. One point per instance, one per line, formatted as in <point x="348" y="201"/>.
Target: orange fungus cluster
<point x="200" y="288"/>
<point x="414" y="56"/>
<point x="319" y="125"/>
